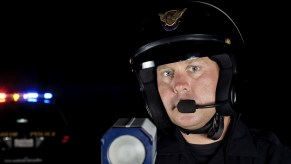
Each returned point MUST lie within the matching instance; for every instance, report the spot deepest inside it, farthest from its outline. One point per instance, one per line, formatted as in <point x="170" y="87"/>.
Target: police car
<point x="32" y="129"/>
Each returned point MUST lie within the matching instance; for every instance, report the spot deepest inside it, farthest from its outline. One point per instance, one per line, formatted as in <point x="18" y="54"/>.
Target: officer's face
<point x="194" y="79"/>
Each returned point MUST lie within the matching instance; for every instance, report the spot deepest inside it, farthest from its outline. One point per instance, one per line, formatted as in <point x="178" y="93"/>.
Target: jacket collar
<point x="237" y="142"/>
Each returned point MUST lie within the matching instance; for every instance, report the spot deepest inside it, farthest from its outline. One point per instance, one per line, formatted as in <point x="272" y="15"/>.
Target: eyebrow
<point x="188" y="61"/>
<point x="162" y="67"/>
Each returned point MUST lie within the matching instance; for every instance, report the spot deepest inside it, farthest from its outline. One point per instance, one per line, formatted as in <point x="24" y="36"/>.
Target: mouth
<point x="185" y="106"/>
<point x="178" y="99"/>
<point x="174" y="107"/>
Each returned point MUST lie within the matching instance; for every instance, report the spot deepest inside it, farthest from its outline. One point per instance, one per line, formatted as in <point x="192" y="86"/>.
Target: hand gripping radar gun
<point x="129" y="141"/>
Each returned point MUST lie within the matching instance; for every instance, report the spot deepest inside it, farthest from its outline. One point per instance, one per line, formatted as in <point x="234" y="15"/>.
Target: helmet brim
<point x="179" y="48"/>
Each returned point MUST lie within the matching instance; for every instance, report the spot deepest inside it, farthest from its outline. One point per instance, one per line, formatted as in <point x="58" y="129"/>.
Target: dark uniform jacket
<point x="240" y="146"/>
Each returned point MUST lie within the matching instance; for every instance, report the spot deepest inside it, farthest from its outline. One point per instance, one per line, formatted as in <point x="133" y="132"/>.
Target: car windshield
<point x="33" y="115"/>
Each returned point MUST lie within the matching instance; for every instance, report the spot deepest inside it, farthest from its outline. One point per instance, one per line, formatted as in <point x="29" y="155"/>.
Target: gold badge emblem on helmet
<point x="171" y="18"/>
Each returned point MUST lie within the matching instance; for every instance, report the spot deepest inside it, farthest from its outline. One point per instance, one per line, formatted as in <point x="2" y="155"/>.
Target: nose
<point x="181" y="84"/>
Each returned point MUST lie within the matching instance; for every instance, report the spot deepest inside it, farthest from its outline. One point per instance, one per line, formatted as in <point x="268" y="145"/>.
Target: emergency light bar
<point x="26" y="97"/>
<point x="129" y="141"/>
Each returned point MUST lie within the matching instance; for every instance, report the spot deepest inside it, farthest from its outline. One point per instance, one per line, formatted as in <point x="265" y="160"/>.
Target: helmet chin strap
<point x="213" y="128"/>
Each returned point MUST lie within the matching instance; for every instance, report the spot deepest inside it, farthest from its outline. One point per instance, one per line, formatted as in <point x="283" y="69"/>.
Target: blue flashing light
<point x="31" y="100"/>
<point x="32" y="95"/>
<point x="46" y="101"/>
<point x="47" y="95"/>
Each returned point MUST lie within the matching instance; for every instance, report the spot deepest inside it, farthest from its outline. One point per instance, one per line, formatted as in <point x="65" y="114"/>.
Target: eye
<point x="195" y="68"/>
<point x="168" y="73"/>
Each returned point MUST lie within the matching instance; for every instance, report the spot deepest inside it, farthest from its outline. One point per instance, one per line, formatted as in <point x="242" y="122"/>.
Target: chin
<point x="187" y="120"/>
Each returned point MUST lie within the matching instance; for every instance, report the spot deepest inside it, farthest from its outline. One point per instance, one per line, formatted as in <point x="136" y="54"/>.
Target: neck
<point x="202" y="138"/>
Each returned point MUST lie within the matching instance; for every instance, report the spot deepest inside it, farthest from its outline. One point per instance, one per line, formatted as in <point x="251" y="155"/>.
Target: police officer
<point x="187" y="67"/>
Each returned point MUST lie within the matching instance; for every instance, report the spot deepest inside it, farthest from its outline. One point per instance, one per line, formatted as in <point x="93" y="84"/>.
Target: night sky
<point x="81" y="52"/>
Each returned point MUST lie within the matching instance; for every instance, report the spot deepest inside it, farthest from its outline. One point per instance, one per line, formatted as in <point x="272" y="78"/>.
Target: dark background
<point x="81" y="51"/>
